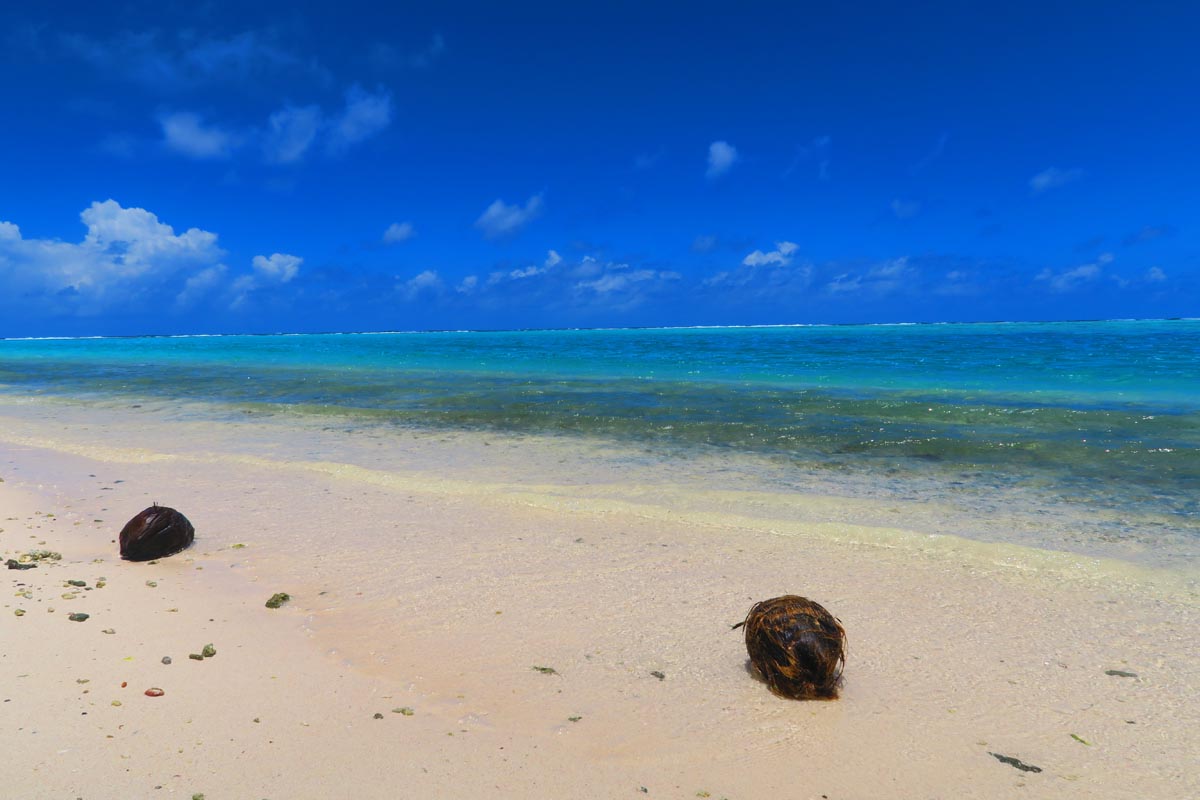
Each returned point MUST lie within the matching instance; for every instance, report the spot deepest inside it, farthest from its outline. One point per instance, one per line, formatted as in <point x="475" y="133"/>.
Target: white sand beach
<point x="433" y="572"/>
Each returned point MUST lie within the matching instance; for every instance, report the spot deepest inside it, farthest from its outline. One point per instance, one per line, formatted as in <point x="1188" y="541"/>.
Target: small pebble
<point x="154" y="692"/>
<point x="209" y="651"/>
<point x="406" y="711"/>
<point x="378" y="715"/>
<point x="20" y="612"/>
<point x="108" y="630"/>
<point x="166" y="659"/>
<point x="195" y="656"/>
<point x="78" y="616"/>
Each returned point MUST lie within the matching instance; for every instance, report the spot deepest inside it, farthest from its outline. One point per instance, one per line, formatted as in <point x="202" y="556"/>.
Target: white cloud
<point x="427" y="281"/>
<point x="128" y="255"/>
<point x="274" y="270"/>
<point x="200" y="285"/>
<point x="399" y="232"/>
<point x="844" y="283"/>
<point x="721" y="158"/>
<point x="1052" y="178"/>
<point x="290" y="133"/>
<point x="364" y="116"/>
<point x="1156" y="275"/>
<point x="186" y="133"/>
<point x="501" y="219"/>
<point x="781" y="255"/>
<point x="1071" y="279"/>
<point x="621" y="288"/>
<point x="279" y="267"/>
<point x="552" y="260"/>
<point x="468" y="284"/>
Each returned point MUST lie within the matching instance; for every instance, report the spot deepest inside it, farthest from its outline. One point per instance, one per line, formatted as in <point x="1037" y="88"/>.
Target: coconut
<point x="157" y="532"/>
<point x="797" y="646"/>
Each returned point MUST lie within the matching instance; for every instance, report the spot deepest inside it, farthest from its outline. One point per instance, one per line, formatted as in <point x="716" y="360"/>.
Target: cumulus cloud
<point x="1053" y="178"/>
<point x="721" y="158"/>
<point x="763" y="276"/>
<point x="187" y="134"/>
<point x="364" y="115"/>
<point x="424" y="282"/>
<point x="1155" y="275"/>
<point x="290" y="133"/>
<point x="399" y="232"/>
<point x="781" y="255"/>
<point x="127" y="255"/>
<point x="1075" y="278"/>
<point x="501" y="219"/>
<point x="279" y="267"/>
<point x="268" y="271"/>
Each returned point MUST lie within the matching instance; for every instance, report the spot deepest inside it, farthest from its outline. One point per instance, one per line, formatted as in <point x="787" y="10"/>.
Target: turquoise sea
<point x="1095" y="416"/>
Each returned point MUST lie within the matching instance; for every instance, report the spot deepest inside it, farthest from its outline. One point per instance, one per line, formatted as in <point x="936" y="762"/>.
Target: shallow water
<point x="1082" y="437"/>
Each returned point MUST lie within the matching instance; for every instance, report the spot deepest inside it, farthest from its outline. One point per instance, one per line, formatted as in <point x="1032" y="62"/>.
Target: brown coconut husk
<point x="157" y="532"/>
<point x="797" y="646"/>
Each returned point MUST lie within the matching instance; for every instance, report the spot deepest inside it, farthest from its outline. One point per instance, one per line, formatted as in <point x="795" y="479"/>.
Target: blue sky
<point x="258" y="167"/>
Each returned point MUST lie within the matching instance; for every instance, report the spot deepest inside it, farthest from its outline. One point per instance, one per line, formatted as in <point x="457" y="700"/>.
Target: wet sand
<point x="434" y="572"/>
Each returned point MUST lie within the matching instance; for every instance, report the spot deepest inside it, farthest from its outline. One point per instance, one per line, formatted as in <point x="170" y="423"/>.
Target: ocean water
<point x="1100" y="419"/>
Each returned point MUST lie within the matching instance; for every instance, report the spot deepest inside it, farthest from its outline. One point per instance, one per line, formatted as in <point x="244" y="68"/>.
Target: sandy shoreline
<point x="438" y="587"/>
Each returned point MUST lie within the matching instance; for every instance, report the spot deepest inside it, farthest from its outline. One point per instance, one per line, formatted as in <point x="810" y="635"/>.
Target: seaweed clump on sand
<point x="157" y="532"/>
<point x="797" y="646"/>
